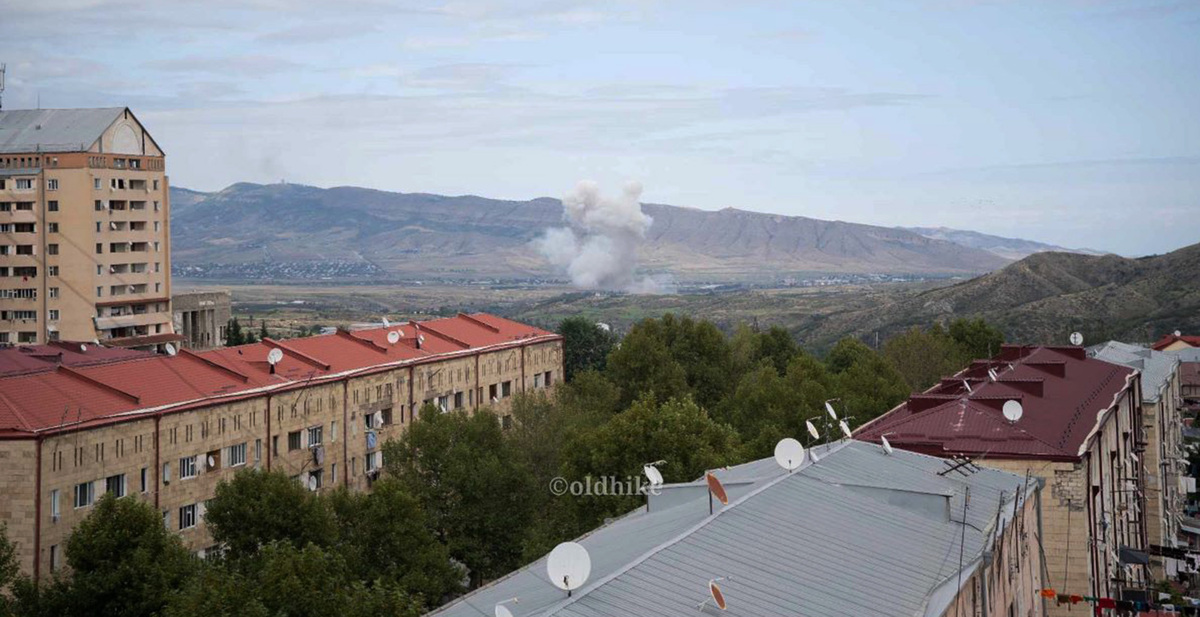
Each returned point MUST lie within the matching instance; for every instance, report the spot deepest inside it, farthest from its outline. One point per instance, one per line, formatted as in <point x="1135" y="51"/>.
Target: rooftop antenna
<point x="502" y="611"/>
<point x="789" y="454"/>
<point x="3" y="68"/>
<point x="569" y="566"/>
<point x="653" y="474"/>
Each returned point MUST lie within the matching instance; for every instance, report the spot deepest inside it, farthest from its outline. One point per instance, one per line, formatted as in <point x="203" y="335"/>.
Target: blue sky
<point x="1068" y="121"/>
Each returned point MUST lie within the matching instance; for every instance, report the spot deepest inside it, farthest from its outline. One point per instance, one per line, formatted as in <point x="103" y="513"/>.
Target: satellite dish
<point x="212" y="462"/>
<point x="845" y="428"/>
<point x="421" y="338"/>
<point x="502" y="611"/>
<point x="274" y="356"/>
<point x="170" y="349"/>
<point x="377" y="419"/>
<point x="887" y="446"/>
<point x="393" y="337"/>
<point x="312" y="482"/>
<point x="716" y="488"/>
<point x="1076" y="339"/>
<point x="812" y="430"/>
<point x="812" y="453"/>
<point x="992" y="374"/>
<point x="1013" y="410"/>
<point x="829" y="410"/>
<point x="967" y="386"/>
<point x="568" y="566"/>
<point x="400" y="331"/>
<point x="1178" y="333"/>
<point x="717" y="596"/>
<point x="789" y="453"/>
<point x="386" y="323"/>
<point x="653" y="474"/>
<point x="82" y="348"/>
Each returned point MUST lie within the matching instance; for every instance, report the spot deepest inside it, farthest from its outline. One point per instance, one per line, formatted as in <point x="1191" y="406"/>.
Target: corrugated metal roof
<point x="1157" y="367"/>
<point x="54" y="130"/>
<point x="812" y="542"/>
<point x="1062" y="391"/>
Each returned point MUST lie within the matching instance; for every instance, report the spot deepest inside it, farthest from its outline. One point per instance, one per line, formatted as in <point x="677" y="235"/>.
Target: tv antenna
<point x="502" y="611"/>
<point x="569" y="566"/>
<point x="653" y="474"/>
<point x="3" y="69"/>
<point x="789" y="454"/>
<point x="961" y="464"/>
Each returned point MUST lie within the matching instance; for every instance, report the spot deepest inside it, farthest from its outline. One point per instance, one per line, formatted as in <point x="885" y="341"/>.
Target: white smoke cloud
<point x="598" y="248"/>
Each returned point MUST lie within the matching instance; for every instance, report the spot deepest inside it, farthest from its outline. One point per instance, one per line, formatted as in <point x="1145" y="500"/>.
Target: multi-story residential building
<point x="168" y="429"/>
<point x="858" y="533"/>
<point x="1081" y="431"/>
<point x="1189" y="369"/>
<point x="84" y="229"/>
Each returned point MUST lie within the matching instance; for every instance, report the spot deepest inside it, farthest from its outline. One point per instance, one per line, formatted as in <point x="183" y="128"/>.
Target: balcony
<point x="140" y="320"/>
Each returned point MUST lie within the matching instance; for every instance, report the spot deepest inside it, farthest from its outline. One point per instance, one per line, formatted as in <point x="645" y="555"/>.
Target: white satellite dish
<point x="845" y="428"/>
<point x="502" y="611"/>
<point x="1013" y="410"/>
<point x="653" y="474"/>
<point x="212" y="462"/>
<point x="812" y="430"/>
<point x="887" y="446"/>
<point x="386" y="323"/>
<point x="1076" y="339"/>
<point x="421" y="338"/>
<point x="829" y="410"/>
<point x="812" y="453"/>
<point x="568" y="566"/>
<point x="967" y="386"/>
<point x="312" y="482"/>
<point x="992" y="374"/>
<point x="82" y="348"/>
<point x="393" y="337"/>
<point x="377" y="419"/>
<point x="170" y="349"/>
<point x="274" y="356"/>
<point x="1178" y="333"/>
<point x="789" y="453"/>
<point x="400" y="331"/>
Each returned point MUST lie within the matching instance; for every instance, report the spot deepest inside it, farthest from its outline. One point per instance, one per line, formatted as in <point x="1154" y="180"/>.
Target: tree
<point x="866" y="383"/>
<point x="643" y="364"/>
<point x="123" y="562"/>
<point x="383" y="536"/>
<point x="462" y="472"/>
<point x="922" y="358"/>
<point x="258" y="507"/>
<point x="766" y="406"/>
<point x="233" y="333"/>
<point x="976" y="338"/>
<point x="585" y="346"/>
<point x="9" y="569"/>
<point x="262" y="332"/>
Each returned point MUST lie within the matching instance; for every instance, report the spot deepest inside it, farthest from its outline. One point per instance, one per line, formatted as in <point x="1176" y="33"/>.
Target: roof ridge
<point x="16" y="411"/>
<point x="137" y="400"/>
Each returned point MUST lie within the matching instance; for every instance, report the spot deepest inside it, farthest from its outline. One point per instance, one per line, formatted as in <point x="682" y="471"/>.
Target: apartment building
<point x="1081" y="431"/>
<point x="84" y="229"/>
<point x="1163" y="459"/>
<point x="168" y="429"/>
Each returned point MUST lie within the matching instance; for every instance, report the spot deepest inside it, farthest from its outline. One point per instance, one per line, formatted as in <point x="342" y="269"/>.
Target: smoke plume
<point x="598" y="248"/>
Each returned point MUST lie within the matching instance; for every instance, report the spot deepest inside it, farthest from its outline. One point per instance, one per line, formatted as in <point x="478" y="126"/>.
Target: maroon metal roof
<point x="1169" y="339"/>
<point x="33" y="358"/>
<point x="1062" y="391"/>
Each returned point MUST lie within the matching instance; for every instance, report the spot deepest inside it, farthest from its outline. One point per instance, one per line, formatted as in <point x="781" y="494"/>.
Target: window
<point x="52" y="184"/>
<point x="537" y="380"/>
<point x="52" y="271"/>
<point x="52" y="206"/>
<point x="53" y="291"/>
<point x="506" y="389"/>
<point x="314" y="435"/>
<point x="156" y="185"/>
<point x="51" y="249"/>
<point x="54" y="557"/>
<point x="166" y="473"/>
<point x="275" y="444"/>
<point x="96" y="185"/>
<point x="257" y="450"/>
<point x="54" y="511"/>
<point x="458" y="400"/>
<point x="85" y="494"/>
<point x="167" y="519"/>
<point x="99" y="208"/>
<point x="236" y="455"/>
<point x="115" y="485"/>
<point x="24" y="184"/>
<point x="333" y="473"/>
<point x="53" y="227"/>
<point x="374" y="461"/>
<point x="294" y="441"/>
<point x="333" y="431"/>
<point x="187" y="467"/>
<point x="99" y="248"/>
<point x="53" y="314"/>
<point x="187" y="516"/>
<point x="493" y="393"/>
<point x="145" y="479"/>
<point x="99" y="292"/>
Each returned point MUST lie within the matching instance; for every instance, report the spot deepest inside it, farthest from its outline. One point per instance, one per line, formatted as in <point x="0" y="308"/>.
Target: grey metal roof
<point x="858" y="533"/>
<point x="54" y="130"/>
<point x="1157" y="367"/>
<point x="1187" y="354"/>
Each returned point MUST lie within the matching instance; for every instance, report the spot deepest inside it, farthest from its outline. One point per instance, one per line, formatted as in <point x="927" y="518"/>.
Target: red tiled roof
<point x="57" y="398"/>
<point x="1168" y="339"/>
<point x="33" y="358"/>
<point x="1061" y="390"/>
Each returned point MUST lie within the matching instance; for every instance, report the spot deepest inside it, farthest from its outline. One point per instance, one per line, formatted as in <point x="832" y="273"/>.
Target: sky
<point x="1073" y="122"/>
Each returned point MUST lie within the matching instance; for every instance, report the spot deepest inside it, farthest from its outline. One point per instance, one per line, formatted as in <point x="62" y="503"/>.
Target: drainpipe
<point x="346" y="431"/>
<point x="37" y="513"/>
<point x="269" y="444"/>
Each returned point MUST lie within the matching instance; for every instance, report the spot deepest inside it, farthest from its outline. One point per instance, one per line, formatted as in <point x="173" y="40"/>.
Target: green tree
<point x="124" y="562"/>
<point x="262" y="331"/>
<point x="383" y="535"/>
<point x="864" y="381"/>
<point x="461" y="470"/>
<point x="766" y="406"/>
<point x="9" y="570"/>
<point x="749" y="348"/>
<point x="976" y="338"/>
<point x="585" y="346"/>
<point x="923" y="357"/>
<point x="643" y="364"/>
<point x="233" y="333"/>
<point x="256" y="507"/>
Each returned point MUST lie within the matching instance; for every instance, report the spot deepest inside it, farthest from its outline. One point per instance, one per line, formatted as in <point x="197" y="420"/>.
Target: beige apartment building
<point x="84" y="229"/>
<point x="168" y="429"/>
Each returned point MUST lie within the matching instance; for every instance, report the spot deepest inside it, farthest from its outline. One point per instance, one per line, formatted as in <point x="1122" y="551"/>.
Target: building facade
<point x="84" y="229"/>
<point x="1081" y="432"/>
<point x="168" y="429"/>
<point x="1163" y="459"/>
<point x="201" y="318"/>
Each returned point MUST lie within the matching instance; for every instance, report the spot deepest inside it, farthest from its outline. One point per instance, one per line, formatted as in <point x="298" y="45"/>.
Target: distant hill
<point x="1046" y="296"/>
<point x="414" y="235"/>
<point x="1008" y="248"/>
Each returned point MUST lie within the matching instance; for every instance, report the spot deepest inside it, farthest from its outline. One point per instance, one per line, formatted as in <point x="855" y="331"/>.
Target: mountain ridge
<point x="1008" y="248"/>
